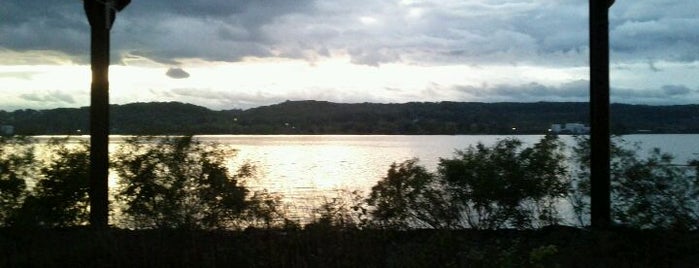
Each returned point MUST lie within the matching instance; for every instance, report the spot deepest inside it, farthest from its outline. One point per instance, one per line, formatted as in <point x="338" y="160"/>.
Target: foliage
<point x="60" y="197"/>
<point x="17" y="165"/>
<point x="570" y="247"/>
<point x="538" y="255"/>
<point x="410" y="197"/>
<point x="183" y="183"/>
<point x="482" y="187"/>
<point x="346" y="211"/>
<point x="264" y="210"/>
<point x="505" y="185"/>
<point x="652" y="193"/>
<point x="647" y="192"/>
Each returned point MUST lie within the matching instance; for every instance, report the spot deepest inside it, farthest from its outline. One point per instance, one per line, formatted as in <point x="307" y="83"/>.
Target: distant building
<point x="570" y="128"/>
<point x="7" y="130"/>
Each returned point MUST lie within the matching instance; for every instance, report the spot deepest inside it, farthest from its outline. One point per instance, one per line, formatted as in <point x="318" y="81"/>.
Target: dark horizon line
<point x="351" y="103"/>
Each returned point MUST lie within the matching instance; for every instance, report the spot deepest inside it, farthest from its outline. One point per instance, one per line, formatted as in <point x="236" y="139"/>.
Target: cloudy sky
<point x="226" y="54"/>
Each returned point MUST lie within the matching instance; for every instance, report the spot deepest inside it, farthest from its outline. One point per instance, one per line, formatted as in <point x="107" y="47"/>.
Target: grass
<point x="330" y="247"/>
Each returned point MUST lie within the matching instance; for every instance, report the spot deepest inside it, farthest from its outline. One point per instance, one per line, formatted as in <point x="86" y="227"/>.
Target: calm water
<point x="308" y="170"/>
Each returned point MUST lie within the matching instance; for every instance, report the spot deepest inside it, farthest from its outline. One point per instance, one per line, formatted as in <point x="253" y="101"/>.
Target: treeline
<point x="182" y="183"/>
<point x="319" y="117"/>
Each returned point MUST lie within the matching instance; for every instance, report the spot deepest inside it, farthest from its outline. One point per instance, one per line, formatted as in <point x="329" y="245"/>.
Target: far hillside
<point x="320" y="117"/>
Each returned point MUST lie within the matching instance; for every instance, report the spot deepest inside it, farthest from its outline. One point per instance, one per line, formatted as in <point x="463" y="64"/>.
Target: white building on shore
<point x="570" y="128"/>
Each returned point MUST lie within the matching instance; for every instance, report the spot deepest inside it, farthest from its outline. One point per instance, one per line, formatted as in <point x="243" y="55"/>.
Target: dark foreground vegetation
<point x="547" y="247"/>
<point x="318" y="117"/>
<point x="179" y="203"/>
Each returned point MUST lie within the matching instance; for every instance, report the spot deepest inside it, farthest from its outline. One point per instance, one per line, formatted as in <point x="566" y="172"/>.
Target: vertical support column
<point x="600" y="207"/>
<point x="99" y="114"/>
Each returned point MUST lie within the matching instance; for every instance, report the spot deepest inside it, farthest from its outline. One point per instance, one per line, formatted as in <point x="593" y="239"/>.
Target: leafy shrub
<point x="482" y="187"/>
<point x="647" y="192"/>
<point x="60" y="197"/>
<point x="410" y="197"/>
<point x="505" y="185"/>
<point x="17" y="165"/>
<point x="346" y="211"/>
<point x="183" y="183"/>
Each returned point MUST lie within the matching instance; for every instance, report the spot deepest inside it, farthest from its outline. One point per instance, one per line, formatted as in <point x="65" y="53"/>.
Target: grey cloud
<point x="31" y="97"/>
<point x="636" y="96"/>
<point x="373" y="57"/>
<point x="572" y="91"/>
<point x="666" y="95"/>
<point x="676" y="90"/>
<point x="219" y="8"/>
<point x="160" y="28"/>
<point x="575" y="91"/>
<point x="54" y="96"/>
<point x="471" y="32"/>
<point x="652" y="67"/>
<point x="658" y="29"/>
<point x="160" y="93"/>
<point x="177" y="73"/>
<point x="18" y="75"/>
<point x="40" y="25"/>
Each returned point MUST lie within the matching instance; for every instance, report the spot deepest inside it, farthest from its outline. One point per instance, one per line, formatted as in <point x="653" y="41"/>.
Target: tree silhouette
<point x="183" y="183"/>
<point x="16" y="167"/>
<point x="60" y="196"/>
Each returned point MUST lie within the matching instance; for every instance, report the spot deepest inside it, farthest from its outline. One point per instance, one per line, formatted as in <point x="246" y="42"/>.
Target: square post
<point x="101" y="15"/>
<point x="600" y="202"/>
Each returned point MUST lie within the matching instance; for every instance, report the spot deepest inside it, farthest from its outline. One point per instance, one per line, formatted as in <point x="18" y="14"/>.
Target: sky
<point x="225" y="54"/>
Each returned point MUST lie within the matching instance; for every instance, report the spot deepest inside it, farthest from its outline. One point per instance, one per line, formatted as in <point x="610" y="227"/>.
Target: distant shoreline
<point x="327" y="118"/>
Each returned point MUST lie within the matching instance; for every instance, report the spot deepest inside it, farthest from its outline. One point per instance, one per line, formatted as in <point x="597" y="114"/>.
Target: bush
<point x="505" y="185"/>
<point x="482" y="187"/>
<point x="410" y="197"/>
<point x="182" y="183"/>
<point x="60" y="197"/>
<point x="17" y="165"/>
<point x="345" y="211"/>
<point x="650" y="192"/>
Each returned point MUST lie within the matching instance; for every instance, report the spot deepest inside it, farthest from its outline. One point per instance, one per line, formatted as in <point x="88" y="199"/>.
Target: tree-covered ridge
<point x="320" y="117"/>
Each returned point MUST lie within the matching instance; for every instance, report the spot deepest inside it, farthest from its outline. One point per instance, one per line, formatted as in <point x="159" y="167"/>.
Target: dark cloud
<point x="371" y="32"/>
<point x="676" y="90"/>
<point x="177" y="73"/>
<point x="163" y="30"/>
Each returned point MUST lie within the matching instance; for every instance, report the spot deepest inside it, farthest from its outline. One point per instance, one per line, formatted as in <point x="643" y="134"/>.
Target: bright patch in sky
<point x="368" y="20"/>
